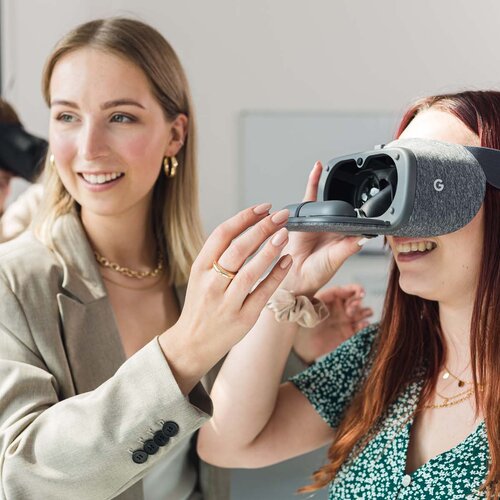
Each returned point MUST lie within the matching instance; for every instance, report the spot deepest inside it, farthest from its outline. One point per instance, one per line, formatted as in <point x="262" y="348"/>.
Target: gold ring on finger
<point x="218" y="268"/>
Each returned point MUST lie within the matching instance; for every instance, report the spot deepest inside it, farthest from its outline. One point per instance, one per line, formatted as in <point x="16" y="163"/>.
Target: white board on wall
<point x="278" y="150"/>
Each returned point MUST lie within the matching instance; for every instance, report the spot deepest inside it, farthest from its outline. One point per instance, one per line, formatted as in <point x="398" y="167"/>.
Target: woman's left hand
<point x="316" y="256"/>
<point x="347" y="316"/>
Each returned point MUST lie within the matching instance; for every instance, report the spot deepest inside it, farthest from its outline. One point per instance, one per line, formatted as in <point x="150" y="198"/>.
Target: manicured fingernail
<point x="280" y="237"/>
<point x="286" y="261"/>
<point x="362" y="241"/>
<point x="281" y="216"/>
<point x="262" y="209"/>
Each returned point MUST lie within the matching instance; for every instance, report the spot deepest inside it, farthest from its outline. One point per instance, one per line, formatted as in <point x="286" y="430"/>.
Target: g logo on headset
<point x="438" y="185"/>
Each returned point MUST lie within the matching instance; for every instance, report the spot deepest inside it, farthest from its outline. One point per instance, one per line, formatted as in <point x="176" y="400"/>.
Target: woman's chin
<point x="410" y="287"/>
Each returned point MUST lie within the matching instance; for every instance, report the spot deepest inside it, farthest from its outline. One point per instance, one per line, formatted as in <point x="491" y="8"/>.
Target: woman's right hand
<point x="219" y="311"/>
<point x="316" y="256"/>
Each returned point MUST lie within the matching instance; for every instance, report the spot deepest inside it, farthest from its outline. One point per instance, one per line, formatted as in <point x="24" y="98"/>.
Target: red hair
<point x="395" y="356"/>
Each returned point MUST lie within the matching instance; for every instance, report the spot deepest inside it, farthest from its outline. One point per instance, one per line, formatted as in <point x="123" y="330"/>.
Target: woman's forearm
<point x="92" y="442"/>
<point x="245" y="392"/>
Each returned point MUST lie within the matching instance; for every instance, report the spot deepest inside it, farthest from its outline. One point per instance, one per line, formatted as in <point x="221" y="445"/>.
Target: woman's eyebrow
<point x="121" y="102"/>
<point x="63" y="102"/>
<point x="106" y="105"/>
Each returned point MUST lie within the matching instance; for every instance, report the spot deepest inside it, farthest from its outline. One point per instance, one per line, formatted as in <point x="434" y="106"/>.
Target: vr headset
<point x="411" y="187"/>
<point x="21" y="152"/>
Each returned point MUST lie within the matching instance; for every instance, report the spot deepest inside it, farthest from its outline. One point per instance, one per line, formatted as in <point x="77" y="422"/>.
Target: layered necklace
<point x="457" y="398"/>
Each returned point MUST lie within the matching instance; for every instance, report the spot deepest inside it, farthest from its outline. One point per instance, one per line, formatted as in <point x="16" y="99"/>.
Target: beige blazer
<point x="72" y="408"/>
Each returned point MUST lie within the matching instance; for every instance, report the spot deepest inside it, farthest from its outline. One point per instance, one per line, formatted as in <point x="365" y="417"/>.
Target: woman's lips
<point x="97" y="188"/>
<point x="410" y="249"/>
<point x="411" y="256"/>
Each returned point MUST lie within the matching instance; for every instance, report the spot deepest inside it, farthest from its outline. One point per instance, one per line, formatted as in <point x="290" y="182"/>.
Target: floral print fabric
<point x="378" y="470"/>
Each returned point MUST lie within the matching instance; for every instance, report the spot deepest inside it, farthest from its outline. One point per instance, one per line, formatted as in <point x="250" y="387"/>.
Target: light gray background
<point x="341" y="56"/>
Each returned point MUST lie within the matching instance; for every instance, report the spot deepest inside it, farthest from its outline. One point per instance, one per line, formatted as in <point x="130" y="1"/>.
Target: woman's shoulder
<point x="25" y="258"/>
<point x="358" y="346"/>
<point x="331" y="382"/>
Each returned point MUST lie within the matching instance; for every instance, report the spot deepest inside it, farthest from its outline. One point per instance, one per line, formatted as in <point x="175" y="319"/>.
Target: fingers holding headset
<point x="222" y="236"/>
<point x="222" y="276"/>
<point x="252" y="271"/>
<point x="231" y="262"/>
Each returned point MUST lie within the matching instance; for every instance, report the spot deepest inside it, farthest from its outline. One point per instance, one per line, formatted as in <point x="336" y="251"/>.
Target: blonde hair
<point x="175" y="211"/>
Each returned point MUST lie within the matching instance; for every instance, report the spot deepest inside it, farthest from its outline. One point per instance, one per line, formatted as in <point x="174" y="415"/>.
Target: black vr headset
<point x="411" y="187"/>
<point x="21" y="152"/>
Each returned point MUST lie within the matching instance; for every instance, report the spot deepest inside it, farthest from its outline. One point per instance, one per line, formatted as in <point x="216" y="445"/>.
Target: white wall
<point x="347" y="55"/>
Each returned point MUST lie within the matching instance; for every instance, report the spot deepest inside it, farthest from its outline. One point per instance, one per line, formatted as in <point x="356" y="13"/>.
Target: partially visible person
<point x="21" y="155"/>
<point x="8" y="117"/>
<point x="5" y="177"/>
<point x="19" y="215"/>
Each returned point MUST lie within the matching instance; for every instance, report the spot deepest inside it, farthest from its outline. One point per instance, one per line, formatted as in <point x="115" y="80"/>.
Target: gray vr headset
<point x="411" y="187"/>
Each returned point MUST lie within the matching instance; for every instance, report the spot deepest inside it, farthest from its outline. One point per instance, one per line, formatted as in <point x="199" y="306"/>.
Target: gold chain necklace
<point x="455" y="399"/>
<point x="127" y="271"/>
<point x="452" y="400"/>
<point x="462" y="393"/>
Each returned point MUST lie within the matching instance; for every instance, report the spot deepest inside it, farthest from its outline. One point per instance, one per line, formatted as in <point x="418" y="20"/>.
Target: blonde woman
<point x="96" y="402"/>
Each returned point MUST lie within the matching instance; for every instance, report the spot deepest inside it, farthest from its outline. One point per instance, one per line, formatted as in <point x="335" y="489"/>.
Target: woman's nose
<point x="93" y="142"/>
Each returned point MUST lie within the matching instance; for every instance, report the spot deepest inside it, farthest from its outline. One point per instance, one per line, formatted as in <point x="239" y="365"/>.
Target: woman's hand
<point x="316" y="256"/>
<point x="220" y="310"/>
<point x="347" y="316"/>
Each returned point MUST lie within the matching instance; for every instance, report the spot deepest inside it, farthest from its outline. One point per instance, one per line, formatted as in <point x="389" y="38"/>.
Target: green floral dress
<point x="378" y="470"/>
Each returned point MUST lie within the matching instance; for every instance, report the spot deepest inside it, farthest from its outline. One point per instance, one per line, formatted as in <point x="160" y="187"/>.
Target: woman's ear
<point x="178" y="135"/>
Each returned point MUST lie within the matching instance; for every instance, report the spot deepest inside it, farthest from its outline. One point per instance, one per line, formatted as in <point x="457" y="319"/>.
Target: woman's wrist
<point x="185" y="361"/>
<point x="295" y="286"/>
<point x="295" y="283"/>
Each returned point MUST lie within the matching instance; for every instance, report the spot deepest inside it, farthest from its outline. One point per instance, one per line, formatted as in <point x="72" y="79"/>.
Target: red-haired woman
<point x="411" y="404"/>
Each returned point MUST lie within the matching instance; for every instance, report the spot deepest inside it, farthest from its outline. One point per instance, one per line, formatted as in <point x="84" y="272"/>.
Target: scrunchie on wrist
<point x="297" y="309"/>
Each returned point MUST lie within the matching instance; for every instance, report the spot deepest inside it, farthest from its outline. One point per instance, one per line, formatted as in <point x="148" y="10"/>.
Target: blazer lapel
<point x="92" y="341"/>
<point x="89" y="329"/>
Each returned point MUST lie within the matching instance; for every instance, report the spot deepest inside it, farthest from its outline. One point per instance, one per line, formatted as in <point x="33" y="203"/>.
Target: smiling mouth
<point x="97" y="179"/>
<point x="416" y="246"/>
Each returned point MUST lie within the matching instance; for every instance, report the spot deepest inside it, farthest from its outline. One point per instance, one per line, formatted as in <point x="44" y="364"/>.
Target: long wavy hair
<point x="395" y="356"/>
<point x="175" y="210"/>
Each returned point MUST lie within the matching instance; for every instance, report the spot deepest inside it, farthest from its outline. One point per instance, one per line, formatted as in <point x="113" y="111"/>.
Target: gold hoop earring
<point x="52" y="161"/>
<point x="170" y="165"/>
